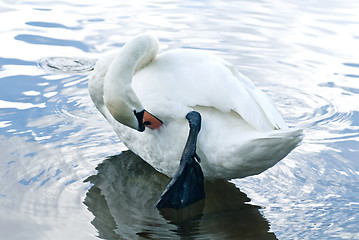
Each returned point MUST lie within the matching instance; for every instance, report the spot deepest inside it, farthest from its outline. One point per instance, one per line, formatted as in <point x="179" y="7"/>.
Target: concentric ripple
<point x="321" y="118"/>
<point x="67" y="64"/>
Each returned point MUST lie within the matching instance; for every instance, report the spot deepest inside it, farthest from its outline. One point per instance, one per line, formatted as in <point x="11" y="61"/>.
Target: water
<point x="52" y="139"/>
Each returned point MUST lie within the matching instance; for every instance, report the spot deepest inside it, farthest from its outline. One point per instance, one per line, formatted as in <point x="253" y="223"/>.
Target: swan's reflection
<point x="126" y="189"/>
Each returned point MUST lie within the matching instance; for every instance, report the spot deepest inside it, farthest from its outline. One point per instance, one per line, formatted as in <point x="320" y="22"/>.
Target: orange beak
<point x="151" y="121"/>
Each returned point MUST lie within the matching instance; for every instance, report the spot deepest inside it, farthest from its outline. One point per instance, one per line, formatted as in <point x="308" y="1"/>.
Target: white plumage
<point x="242" y="132"/>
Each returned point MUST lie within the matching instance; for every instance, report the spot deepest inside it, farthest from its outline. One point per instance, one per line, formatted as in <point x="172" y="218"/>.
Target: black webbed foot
<point x="187" y="185"/>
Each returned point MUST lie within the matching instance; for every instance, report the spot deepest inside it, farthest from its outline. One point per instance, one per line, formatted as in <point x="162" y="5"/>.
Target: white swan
<point x="242" y="133"/>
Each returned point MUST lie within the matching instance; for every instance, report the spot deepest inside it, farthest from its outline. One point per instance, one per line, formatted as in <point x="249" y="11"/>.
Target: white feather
<point x="242" y="132"/>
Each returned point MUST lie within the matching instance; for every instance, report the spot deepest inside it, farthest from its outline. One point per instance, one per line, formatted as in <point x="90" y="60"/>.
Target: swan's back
<point x="195" y="78"/>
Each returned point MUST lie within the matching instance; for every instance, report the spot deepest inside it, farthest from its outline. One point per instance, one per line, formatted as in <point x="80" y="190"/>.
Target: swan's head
<point x="128" y="115"/>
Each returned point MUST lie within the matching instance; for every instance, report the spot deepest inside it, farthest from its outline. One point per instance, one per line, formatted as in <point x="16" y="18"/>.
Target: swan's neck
<point x="134" y="55"/>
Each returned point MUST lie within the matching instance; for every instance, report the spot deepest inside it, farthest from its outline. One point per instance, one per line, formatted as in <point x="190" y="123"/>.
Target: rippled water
<point x="304" y="55"/>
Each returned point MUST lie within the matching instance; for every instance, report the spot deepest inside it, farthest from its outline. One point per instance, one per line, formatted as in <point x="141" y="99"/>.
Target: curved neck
<point x="133" y="56"/>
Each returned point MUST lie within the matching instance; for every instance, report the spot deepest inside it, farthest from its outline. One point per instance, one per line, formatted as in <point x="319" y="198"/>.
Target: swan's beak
<point x="151" y="121"/>
<point x="146" y="119"/>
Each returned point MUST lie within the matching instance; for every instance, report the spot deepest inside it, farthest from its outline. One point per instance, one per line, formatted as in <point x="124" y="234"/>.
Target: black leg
<point x="187" y="185"/>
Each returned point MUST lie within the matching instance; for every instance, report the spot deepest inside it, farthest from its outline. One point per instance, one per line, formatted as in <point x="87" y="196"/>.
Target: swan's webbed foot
<point x="187" y="185"/>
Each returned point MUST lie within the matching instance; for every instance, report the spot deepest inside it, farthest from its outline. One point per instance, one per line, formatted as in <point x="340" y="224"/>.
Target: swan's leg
<point x="187" y="185"/>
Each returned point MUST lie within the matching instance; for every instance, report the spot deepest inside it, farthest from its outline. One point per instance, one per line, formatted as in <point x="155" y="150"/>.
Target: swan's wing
<point x="180" y="79"/>
<point x="264" y="108"/>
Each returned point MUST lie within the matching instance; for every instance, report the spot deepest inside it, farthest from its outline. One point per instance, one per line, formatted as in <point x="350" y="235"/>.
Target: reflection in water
<point x="126" y="189"/>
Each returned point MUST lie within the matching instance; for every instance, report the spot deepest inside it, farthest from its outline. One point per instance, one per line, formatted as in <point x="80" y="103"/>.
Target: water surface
<point x="52" y="139"/>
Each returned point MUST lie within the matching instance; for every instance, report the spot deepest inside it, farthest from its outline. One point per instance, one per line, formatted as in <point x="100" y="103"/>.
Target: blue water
<point x="304" y="55"/>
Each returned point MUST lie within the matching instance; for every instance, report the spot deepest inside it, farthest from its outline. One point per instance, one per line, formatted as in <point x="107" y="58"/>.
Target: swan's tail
<point x="294" y="135"/>
<point x="259" y="154"/>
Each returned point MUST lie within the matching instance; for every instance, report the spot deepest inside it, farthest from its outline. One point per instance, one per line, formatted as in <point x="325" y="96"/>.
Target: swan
<point x="147" y="96"/>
